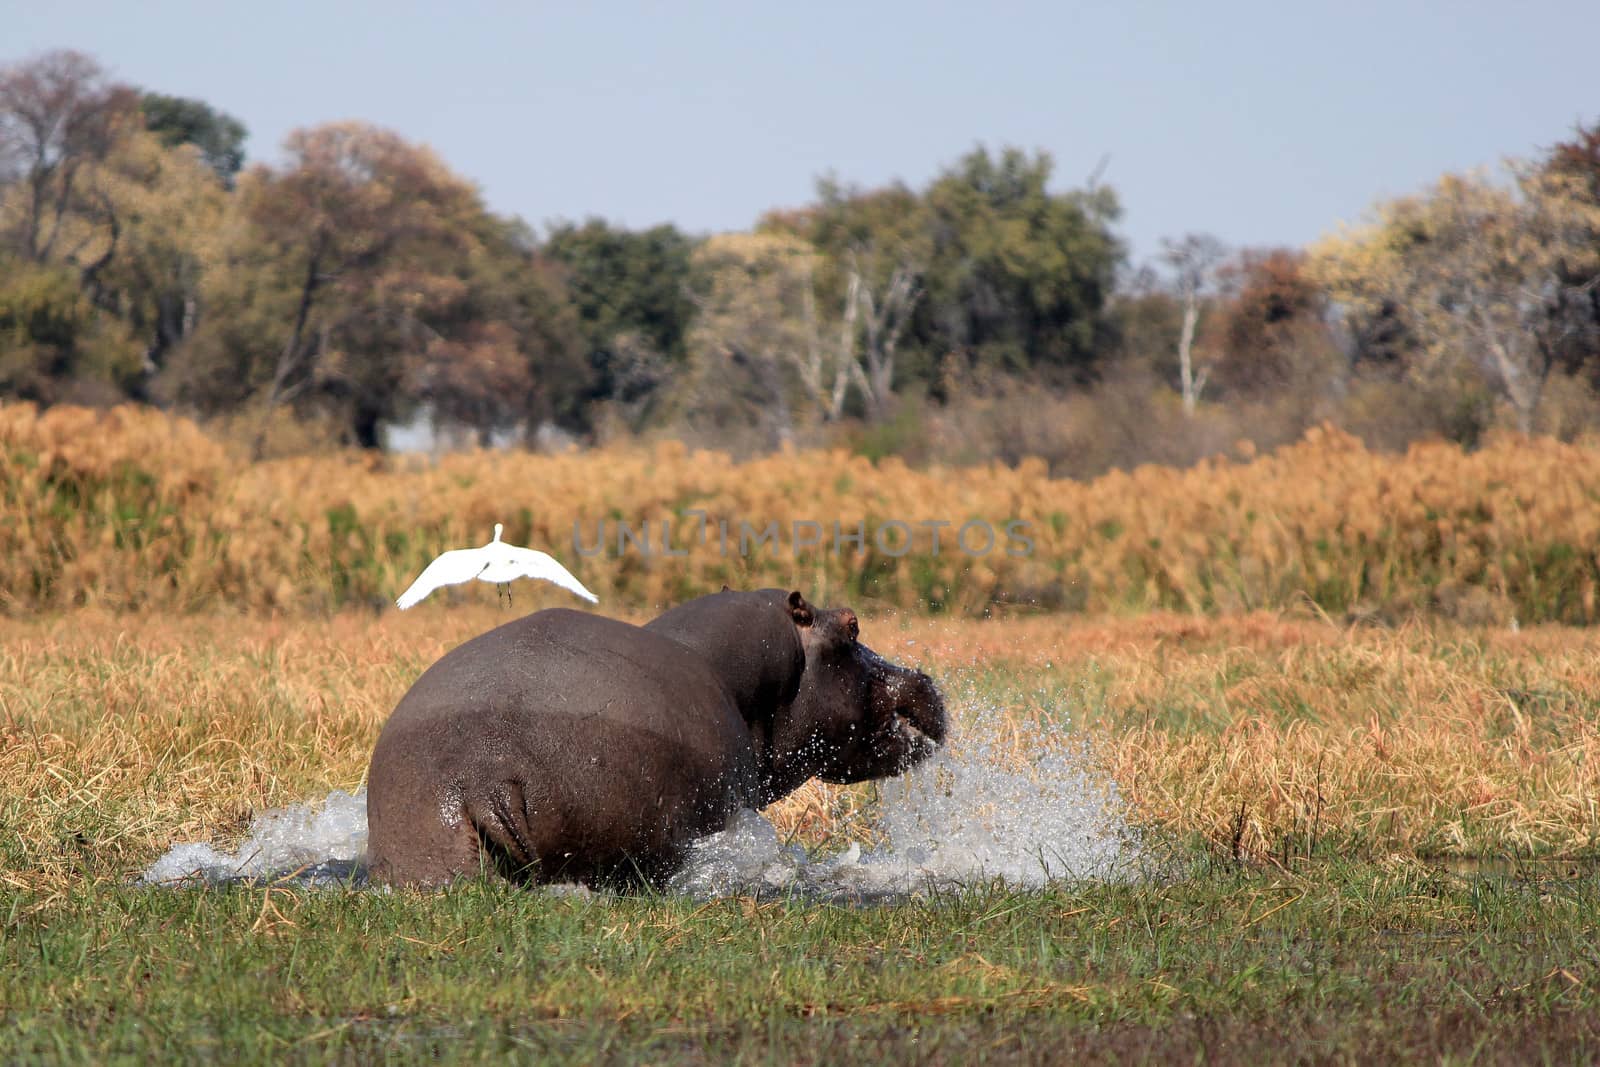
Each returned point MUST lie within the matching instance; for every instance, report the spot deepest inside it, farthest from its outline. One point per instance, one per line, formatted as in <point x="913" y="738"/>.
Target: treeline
<point x="361" y="283"/>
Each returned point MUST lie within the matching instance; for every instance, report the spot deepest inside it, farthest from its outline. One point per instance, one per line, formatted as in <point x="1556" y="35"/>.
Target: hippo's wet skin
<point x="569" y="747"/>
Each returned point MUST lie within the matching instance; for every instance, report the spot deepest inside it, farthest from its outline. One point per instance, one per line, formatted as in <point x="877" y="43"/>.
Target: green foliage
<point x="364" y="283"/>
<point x="52" y="338"/>
<point x="1019" y="276"/>
<point x="67" y="146"/>
<point x="39" y="306"/>
<point x="1008" y="275"/>
<point x="872" y="232"/>
<point x="178" y="120"/>
<point x="626" y="281"/>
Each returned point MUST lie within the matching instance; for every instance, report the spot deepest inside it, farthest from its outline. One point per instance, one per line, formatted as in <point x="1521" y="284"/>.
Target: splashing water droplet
<point x="309" y="844"/>
<point x="974" y="812"/>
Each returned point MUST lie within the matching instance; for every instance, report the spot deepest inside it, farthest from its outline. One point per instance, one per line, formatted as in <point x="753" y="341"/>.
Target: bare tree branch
<point x="1194" y="259"/>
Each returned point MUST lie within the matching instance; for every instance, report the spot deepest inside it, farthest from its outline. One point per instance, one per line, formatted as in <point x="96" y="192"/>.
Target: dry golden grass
<point x="134" y="510"/>
<point x="1266" y="735"/>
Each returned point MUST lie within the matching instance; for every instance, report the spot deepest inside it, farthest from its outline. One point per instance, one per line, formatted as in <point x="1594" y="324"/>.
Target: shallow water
<point x="970" y="814"/>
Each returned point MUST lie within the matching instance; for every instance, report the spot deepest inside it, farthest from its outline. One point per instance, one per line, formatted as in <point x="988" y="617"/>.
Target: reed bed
<point x="133" y="510"/>
<point x="1268" y="737"/>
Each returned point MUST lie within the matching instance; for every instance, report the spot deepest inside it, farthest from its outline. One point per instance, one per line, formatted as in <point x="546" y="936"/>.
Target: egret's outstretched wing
<point x="452" y="568"/>
<point x="535" y="564"/>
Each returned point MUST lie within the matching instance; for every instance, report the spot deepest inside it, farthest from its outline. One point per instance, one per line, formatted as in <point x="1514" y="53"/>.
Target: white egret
<point x="495" y="562"/>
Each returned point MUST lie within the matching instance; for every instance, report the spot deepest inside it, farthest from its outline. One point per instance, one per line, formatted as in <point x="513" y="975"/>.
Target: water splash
<point x="972" y="813"/>
<point x="306" y="844"/>
<point x="975" y="812"/>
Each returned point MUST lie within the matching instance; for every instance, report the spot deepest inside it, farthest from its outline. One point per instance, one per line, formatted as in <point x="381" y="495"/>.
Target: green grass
<point x="1328" y="963"/>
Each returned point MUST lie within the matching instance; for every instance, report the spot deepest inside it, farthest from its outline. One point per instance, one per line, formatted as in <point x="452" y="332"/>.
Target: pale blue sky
<point x="1264" y="123"/>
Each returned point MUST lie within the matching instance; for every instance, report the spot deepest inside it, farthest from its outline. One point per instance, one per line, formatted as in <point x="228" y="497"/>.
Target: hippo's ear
<point x="799" y="610"/>
<point x="726" y="588"/>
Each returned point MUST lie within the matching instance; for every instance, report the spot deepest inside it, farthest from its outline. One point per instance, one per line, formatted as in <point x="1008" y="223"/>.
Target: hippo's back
<point x="561" y="745"/>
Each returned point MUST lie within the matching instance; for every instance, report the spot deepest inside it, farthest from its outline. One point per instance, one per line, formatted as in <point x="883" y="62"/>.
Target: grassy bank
<point x="133" y="510"/>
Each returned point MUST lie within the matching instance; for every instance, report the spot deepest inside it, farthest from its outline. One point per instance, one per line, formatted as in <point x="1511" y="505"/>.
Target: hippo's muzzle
<point x="919" y="715"/>
<point x="905" y="722"/>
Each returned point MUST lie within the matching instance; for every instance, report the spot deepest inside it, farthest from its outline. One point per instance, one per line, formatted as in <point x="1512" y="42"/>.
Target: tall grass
<point x="134" y="510"/>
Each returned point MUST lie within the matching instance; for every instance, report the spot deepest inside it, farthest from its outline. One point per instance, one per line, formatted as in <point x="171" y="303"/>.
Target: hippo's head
<point x="856" y="715"/>
<point x="819" y="703"/>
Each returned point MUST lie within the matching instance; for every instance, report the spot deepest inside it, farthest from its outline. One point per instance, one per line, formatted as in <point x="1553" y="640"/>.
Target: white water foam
<point x="310" y="844"/>
<point x="967" y="815"/>
<point x="971" y="813"/>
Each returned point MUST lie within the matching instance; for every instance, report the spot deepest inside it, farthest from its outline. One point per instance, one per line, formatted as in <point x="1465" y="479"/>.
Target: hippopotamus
<point x="570" y="747"/>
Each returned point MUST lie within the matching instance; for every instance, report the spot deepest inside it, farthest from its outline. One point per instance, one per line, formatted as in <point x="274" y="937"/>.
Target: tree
<point x="1575" y="165"/>
<point x="1269" y="327"/>
<point x="363" y="279"/>
<point x="624" y="280"/>
<point x="751" y="347"/>
<point x="168" y="204"/>
<point x="53" y="342"/>
<point x="60" y="117"/>
<point x="178" y="120"/>
<point x="1477" y="271"/>
<point x="987" y="266"/>
<point x="336" y="267"/>
<point x="631" y="291"/>
<point x="1579" y="160"/>
<point x="875" y="247"/>
<point x="90" y="196"/>
<point x="1145" y="319"/>
<point x="1018" y="276"/>
<point x="1193" y="259"/>
<point x="510" y="350"/>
